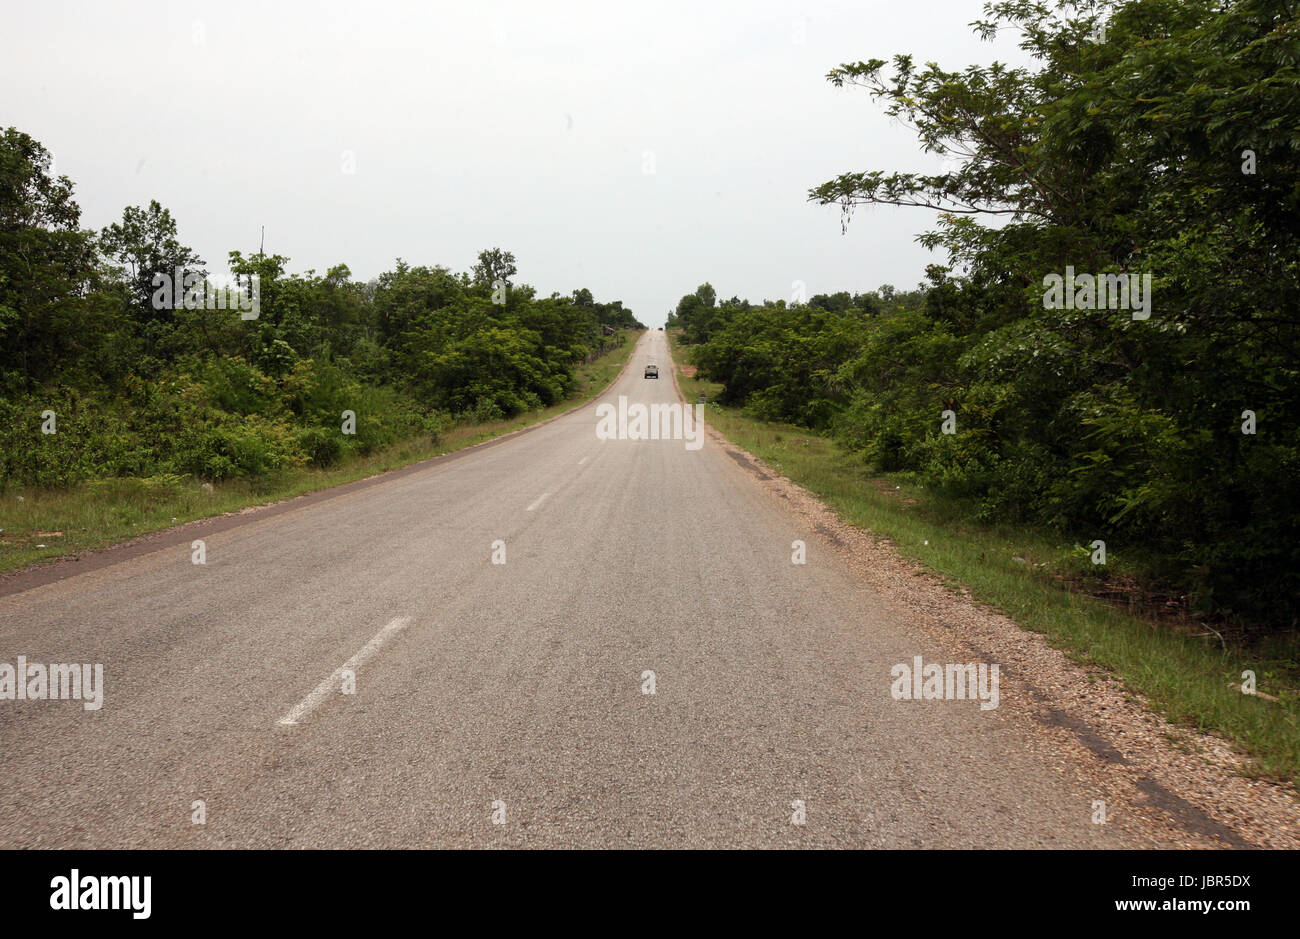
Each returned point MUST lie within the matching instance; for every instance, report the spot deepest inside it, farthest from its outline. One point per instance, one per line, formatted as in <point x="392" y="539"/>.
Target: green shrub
<point x="323" y="447"/>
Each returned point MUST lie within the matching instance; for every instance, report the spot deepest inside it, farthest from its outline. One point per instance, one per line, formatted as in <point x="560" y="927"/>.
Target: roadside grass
<point x="1183" y="668"/>
<point x="40" y="524"/>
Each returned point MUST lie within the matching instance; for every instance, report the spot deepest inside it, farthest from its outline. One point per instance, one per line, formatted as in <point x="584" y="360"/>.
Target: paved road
<point x="518" y="683"/>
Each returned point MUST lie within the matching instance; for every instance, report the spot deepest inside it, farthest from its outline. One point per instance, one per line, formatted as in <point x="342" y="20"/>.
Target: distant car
<point x="652" y="371"/>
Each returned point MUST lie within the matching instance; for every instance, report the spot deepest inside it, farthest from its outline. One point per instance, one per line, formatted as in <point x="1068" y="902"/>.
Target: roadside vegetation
<point x="1171" y="150"/>
<point x="1120" y="472"/>
<point x="46" y="522"/>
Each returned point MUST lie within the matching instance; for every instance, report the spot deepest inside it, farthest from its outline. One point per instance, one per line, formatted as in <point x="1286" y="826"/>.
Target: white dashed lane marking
<point x="333" y="683"/>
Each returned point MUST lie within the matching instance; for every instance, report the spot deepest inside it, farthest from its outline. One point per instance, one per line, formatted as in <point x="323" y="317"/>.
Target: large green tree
<point x="494" y="265"/>
<point x="1154" y="137"/>
<point x="47" y="268"/>
<point x="146" y="245"/>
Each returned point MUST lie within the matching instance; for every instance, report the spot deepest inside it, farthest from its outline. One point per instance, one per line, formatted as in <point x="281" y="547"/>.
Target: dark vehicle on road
<point x="652" y="371"/>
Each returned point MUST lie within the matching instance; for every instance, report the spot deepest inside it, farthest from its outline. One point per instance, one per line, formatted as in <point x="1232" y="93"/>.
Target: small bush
<point x="322" y="446"/>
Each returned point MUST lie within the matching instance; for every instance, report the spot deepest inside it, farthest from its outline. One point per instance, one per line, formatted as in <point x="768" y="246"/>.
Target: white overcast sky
<point x="526" y="126"/>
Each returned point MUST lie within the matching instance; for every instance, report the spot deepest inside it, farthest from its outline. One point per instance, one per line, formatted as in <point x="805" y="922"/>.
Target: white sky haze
<point x="634" y="149"/>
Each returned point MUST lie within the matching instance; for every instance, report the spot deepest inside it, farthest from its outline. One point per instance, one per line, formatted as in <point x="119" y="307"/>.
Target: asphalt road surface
<point x="506" y="704"/>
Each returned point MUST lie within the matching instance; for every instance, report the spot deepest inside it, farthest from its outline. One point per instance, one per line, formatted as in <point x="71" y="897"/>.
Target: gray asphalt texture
<point x="518" y="683"/>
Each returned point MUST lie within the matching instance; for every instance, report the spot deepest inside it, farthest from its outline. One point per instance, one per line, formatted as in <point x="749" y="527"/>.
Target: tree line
<point x="119" y="355"/>
<point x="1154" y="145"/>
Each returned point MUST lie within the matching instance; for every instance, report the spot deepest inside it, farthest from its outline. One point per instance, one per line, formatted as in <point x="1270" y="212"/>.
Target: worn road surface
<point x="512" y="692"/>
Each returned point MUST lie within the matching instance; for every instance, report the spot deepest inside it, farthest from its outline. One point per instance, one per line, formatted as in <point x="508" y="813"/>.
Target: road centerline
<point x="331" y="683"/>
